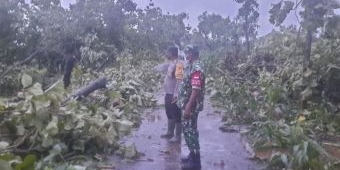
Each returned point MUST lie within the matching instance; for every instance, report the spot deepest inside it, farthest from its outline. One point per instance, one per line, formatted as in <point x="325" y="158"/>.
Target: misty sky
<point x="222" y="7"/>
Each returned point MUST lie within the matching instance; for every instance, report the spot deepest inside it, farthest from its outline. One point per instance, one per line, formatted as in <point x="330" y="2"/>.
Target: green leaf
<point x="308" y="72"/>
<point x="118" y="113"/>
<point x="26" y="80"/>
<point x="76" y="167"/>
<point x="27" y="164"/>
<point x="279" y="12"/>
<point x="56" y="88"/>
<point x="2" y="105"/>
<point x="36" y="90"/>
<point x="139" y="100"/>
<point x="114" y="95"/>
<point x="80" y="124"/>
<point x="20" y="130"/>
<point x="52" y="127"/>
<point x="124" y="126"/>
<point x="305" y="94"/>
<point x="131" y="152"/>
<point x="297" y="84"/>
<point x="7" y="157"/>
<point x="57" y="149"/>
<point x="5" y="165"/>
<point x="284" y="159"/>
<point x="47" y="140"/>
<point x="79" y="145"/>
<point x="30" y="108"/>
<point x="111" y="135"/>
<point x="41" y="104"/>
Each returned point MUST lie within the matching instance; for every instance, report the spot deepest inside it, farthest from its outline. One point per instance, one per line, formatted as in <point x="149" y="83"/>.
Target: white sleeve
<point x="162" y="68"/>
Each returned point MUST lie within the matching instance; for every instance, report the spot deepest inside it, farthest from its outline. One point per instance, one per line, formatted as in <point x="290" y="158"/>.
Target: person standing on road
<point x="172" y="69"/>
<point x="190" y="100"/>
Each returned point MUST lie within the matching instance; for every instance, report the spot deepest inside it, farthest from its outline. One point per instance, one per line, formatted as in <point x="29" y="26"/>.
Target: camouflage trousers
<point x="190" y="132"/>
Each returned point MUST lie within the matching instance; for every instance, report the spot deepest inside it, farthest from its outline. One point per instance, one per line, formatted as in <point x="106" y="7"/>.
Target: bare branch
<point x="295" y="9"/>
<point x="29" y="58"/>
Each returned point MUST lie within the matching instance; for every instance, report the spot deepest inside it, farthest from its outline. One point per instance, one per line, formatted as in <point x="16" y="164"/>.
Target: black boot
<point x="194" y="163"/>
<point x="170" y="132"/>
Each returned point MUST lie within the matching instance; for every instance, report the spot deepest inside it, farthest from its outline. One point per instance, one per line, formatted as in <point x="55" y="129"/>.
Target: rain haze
<point x="169" y="84"/>
<point x="224" y="8"/>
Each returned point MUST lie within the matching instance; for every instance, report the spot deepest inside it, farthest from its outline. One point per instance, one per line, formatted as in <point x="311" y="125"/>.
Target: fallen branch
<point x="20" y="141"/>
<point x="77" y="157"/>
<point x="93" y="86"/>
<point x="19" y="151"/>
<point x="101" y="66"/>
<point x="104" y="167"/>
<point x="29" y="58"/>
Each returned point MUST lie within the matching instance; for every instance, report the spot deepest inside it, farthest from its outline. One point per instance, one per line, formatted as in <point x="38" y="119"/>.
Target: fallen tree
<point x="88" y="89"/>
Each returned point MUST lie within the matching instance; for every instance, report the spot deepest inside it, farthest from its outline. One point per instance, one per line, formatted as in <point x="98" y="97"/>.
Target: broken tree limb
<point x="91" y="87"/>
<point x="101" y="66"/>
<point x="29" y="58"/>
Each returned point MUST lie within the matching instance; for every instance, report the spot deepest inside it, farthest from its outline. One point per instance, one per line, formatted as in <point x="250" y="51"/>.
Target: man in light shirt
<point x="173" y="70"/>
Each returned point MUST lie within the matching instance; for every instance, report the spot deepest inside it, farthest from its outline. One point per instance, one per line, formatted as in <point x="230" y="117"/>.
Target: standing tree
<point x="236" y="34"/>
<point x="314" y="15"/>
<point x="215" y="30"/>
<point x="12" y="29"/>
<point x="155" y="30"/>
<point x="248" y="16"/>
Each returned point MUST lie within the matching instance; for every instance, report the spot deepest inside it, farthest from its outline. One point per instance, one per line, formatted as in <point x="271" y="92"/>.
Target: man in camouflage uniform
<point x="190" y="99"/>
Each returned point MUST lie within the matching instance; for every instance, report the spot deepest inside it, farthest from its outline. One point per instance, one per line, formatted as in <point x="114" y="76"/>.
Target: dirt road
<point x="219" y="150"/>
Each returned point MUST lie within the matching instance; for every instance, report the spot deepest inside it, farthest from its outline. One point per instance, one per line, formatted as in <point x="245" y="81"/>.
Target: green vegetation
<point x="286" y="90"/>
<point x="284" y="85"/>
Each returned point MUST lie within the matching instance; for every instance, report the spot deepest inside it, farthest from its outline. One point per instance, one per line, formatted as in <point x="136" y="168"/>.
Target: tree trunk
<point x="247" y="41"/>
<point x="246" y="32"/>
<point x="306" y="64"/>
<point x="309" y="39"/>
<point x="237" y="51"/>
<point x="86" y="90"/>
<point x="206" y="38"/>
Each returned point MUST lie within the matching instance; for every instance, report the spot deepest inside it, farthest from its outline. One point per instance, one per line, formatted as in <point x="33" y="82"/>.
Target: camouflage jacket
<point x="185" y="87"/>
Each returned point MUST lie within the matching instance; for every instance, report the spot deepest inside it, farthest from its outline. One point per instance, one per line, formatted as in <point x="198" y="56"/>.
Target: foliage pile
<point x="293" y="111"/>
<point x="287" y="87"/>
<point x="40" y="123"/>
<point x="112" y="39"/>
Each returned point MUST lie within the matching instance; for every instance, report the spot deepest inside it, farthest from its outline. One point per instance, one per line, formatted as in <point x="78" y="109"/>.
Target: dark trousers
<point x="171" y="109"/>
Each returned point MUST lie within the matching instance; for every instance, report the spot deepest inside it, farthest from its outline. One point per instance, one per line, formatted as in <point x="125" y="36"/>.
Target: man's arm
<point x="191" y="103"/>
<point x="196" y="83"/>
<point x="162" y="68"/>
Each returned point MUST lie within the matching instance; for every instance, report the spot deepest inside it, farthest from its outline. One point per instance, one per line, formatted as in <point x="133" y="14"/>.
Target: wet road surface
<point x="219" y="150"/>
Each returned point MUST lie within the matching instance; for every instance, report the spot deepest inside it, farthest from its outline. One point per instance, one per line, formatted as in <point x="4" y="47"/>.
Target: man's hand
<point x="187" y="112"/>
